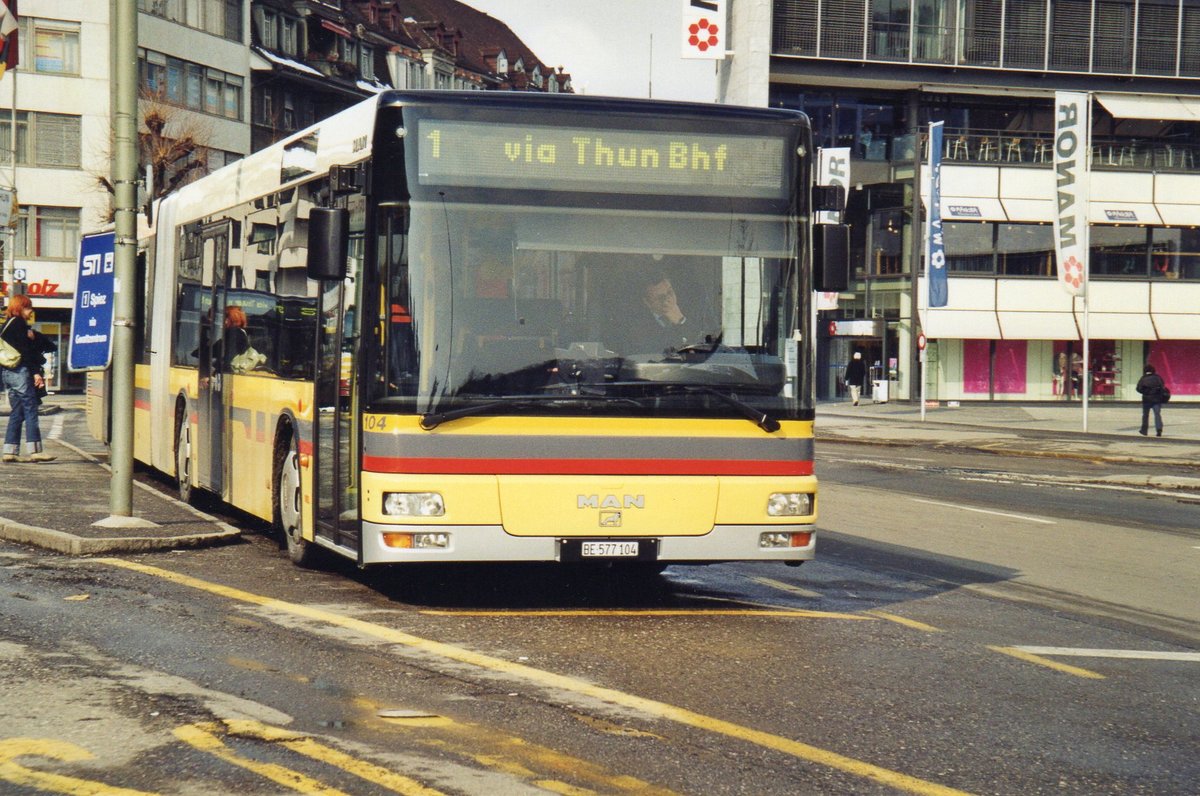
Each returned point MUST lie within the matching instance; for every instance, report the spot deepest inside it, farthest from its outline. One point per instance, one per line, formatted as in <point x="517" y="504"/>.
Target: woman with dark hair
<point x="22" y="382"/>
<point x="1154" y="394"/>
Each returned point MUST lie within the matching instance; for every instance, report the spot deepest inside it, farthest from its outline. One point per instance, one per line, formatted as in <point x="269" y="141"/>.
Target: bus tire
<point x="183" y="458"/>
<point x="289" y="518"/>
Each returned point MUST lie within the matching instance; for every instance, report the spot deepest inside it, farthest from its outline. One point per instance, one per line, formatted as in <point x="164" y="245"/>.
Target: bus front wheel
<point x="287" y="501"/>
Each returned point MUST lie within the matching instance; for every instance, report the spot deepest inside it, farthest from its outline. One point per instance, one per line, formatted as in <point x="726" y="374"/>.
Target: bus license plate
<point x="610" y="550"/>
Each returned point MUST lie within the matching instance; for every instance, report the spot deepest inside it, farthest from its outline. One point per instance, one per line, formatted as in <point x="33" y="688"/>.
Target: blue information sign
<point x="92" y="315"/>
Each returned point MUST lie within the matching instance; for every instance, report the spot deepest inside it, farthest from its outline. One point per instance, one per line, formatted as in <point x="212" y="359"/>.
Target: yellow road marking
<point x="518" y="757"/>
<point x="1040" y="661"/>
<point x="550" y="680"/>
<point x="202" y="736"/>
<point x="903" y="620"/>
<point x="63" y="751"/>
<point x="782" y="613"/>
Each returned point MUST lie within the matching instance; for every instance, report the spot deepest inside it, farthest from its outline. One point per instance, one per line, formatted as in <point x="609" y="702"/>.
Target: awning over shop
<point x="1177" y="326"/>
<point x="972" y="208"/>
<point x="1120" y="326"/>
<point x="1038" y="325"/>
<point x="1151" y="106"/>
<point x="1029" y="209"/>
<point x="960" y="324"/>
<point x="1122" y="213"/>
<point x="1179" y="215"/>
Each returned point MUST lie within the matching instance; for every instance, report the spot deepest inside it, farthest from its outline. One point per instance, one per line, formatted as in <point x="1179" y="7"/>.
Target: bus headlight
<point x="789" y="504"/>
<point x="413" y="504"/>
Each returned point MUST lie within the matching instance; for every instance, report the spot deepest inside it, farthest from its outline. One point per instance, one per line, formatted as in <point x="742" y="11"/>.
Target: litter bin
<point x="879" y="390"/>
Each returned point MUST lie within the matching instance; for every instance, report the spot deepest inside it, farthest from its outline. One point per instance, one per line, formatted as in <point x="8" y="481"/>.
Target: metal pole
<point x="10" y="234"/>
<point x="916" y="249"/>
<point x="124" y="178"/>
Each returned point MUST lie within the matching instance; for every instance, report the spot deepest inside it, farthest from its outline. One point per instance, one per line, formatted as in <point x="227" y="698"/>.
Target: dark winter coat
<point x="856" y="371"/>
<point x="16" y="334"/>
<point x="1151" y="387"/>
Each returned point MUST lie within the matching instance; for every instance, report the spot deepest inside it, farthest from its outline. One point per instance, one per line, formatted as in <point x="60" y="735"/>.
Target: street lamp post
<point x="124" y="179"/>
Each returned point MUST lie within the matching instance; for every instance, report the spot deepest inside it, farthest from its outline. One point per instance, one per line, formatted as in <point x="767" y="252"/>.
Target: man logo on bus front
<point x="610" y="519"/>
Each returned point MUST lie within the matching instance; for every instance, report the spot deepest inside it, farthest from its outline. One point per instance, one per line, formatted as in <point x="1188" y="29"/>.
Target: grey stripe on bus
<point x="445" y="446"/>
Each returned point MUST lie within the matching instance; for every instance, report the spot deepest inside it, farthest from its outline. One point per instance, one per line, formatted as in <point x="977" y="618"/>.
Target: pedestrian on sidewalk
<point x="855" y="373"/>
<point x="22" y="382"/>
<point x="1154" y="394"/>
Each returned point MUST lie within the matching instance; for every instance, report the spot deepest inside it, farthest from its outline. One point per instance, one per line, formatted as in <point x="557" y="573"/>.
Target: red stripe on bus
<point x="387" y="464"/>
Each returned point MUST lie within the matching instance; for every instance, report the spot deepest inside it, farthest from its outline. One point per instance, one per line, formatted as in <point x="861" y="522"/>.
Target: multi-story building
<point x="312" y="58"/>
<point x="193" y="56"/>
<point x="224" y="77"/>
<point x="873" y="74"/>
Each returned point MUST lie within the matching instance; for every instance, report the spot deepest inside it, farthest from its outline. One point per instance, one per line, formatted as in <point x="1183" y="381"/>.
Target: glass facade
<point x="1123" y="37"/>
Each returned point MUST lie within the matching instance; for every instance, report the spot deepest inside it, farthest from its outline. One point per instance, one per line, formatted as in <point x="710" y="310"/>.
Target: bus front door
<point x="210" y="403"/>
<point x="336" y="442"/>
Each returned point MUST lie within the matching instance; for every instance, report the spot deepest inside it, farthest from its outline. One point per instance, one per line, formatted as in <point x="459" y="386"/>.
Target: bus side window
<point x="187" y="326"/>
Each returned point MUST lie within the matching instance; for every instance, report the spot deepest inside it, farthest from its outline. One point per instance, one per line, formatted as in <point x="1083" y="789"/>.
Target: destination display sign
<point x="537" y="157"/>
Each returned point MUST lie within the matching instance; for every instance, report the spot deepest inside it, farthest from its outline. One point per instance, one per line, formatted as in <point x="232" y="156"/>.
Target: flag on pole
<point x="935" y="246"/>
<point x="1072" y="131"/>
<point x="8" y="35"/>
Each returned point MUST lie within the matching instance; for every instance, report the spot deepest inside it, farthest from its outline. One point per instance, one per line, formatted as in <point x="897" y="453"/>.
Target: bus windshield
<point x="596" y="311"/>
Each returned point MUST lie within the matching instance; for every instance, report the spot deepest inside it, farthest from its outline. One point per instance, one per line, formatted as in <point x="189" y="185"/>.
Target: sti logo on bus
<point x="610" y="502"/>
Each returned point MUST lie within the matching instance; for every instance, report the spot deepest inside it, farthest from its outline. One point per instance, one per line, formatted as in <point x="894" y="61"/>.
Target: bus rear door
<point x="210" y="403"/>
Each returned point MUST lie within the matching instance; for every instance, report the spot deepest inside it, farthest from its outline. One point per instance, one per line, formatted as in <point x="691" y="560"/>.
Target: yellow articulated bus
<point x="447" y="327"/>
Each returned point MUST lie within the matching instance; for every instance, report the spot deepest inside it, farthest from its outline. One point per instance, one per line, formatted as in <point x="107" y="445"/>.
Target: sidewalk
<point x="56" y="505"/>
<point x="1047" y="430"/>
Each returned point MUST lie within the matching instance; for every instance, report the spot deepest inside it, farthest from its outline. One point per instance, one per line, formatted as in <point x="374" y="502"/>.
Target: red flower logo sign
<point x="703" y="35"/>
<point x="1072" y="273"/>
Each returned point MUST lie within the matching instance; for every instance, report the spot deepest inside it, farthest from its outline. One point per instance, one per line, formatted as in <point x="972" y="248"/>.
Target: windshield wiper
<point x="755" y="416"/>
<point x="431" y="420"/>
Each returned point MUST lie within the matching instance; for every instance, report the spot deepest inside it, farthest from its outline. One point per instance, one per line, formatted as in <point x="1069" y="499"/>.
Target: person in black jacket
<point x="22" y="382"/>
<point x="1153" y="392"/>
<point x="856" y="373"/>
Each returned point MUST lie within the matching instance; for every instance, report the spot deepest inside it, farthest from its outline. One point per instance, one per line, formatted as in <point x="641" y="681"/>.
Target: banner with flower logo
<point x="1072" y="146"/>
<point x="704" y="29"/>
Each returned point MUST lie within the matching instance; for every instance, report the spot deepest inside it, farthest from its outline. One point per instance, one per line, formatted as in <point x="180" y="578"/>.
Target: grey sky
<point x="606" y="45"/>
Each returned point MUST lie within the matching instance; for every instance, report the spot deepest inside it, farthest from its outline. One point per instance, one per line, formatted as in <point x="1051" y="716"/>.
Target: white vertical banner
<point x="833" y="168"/>
<point x="1072" y="146"/>
<point x="705" y="32"/>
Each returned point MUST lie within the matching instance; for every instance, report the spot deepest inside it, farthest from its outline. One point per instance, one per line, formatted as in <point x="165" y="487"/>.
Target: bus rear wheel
<point x="288" y="502"/>
<point x="183" y="461"/>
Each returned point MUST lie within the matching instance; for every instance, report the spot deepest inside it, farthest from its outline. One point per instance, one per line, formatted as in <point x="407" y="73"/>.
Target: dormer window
<point x="537" y="76"/>
<point x="502" y="63"/>
<point x="519" y="66"/>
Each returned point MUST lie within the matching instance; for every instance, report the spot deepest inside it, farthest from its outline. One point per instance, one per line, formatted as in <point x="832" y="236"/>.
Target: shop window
<point x="995" y="367"/>
<point x="1118" y="251"/>
<point x="1025" y="249"/>
<point x="887" y="242"/>
<point x="1175" y="253"/>
<point x="970" y="247"/>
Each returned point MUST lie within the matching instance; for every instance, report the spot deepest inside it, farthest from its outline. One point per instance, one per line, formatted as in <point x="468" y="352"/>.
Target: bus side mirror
<point x="831" y="257"/>
<point x="328" y="243"/>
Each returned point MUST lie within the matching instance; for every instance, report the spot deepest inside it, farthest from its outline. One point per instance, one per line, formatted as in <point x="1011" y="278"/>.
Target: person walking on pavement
<point x="1154" y="394"/>
<point x="855" y="373"/>
<point x="22" y="382"/>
